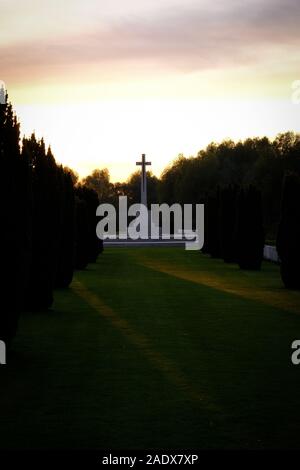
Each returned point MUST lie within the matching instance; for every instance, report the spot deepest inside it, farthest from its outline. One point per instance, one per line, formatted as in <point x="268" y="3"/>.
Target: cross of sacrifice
<point x="143" y="164"/>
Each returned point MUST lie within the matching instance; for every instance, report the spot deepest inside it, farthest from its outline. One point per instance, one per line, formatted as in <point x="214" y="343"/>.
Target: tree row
<point x="47" y="227"/>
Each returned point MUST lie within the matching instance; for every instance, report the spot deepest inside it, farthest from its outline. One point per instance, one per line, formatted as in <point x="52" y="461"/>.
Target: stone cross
<point x="143" y="164"/>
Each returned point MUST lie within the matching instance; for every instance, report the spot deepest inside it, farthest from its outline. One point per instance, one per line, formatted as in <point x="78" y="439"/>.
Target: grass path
<point x="157" y="348"/>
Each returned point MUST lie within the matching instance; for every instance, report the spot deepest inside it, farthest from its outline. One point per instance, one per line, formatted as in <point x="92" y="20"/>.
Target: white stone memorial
<point x="144" y="200"/>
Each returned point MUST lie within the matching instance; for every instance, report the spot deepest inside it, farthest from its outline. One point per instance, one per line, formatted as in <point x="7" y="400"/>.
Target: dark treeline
<point x="251" y="191"/>
<point x="47" y="224"/>
<point x="256" y="161"/>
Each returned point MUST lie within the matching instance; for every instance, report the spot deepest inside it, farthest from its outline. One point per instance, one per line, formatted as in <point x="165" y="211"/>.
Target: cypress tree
<point x="288" y="237"/>
<point x="66" y="247"/>
<point x="228" y="202"/>
<point x="46" y="218"/>
<point x="15" y="222"/>
<point x="249" y="231"/>
<point x="213" y="225"/>
<point x="205" y="247"/>
<point x="95" y="246"/>
<point x="81" y="234"/>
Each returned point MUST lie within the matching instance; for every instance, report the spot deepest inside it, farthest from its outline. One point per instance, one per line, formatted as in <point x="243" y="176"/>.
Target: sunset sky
<point x="106" y="80"/>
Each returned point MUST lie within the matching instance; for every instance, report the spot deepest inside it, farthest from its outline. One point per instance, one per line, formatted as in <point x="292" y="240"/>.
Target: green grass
<point x="157" y="348"/>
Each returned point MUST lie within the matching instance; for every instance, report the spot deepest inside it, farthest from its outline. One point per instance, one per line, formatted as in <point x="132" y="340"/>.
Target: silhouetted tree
<point x="255" y="161"/>
<point x="132" y="188"/>
<point x="99" y="181"/>
<point x="228" y="206"/>
<point x="37" y="237"/>
<point x="213" y="224"/>
<point x="15" y="234"/>
<point x="94" y="245"/>
<point x="204" y="200"/>
<point x="249" y="231"/>
<point x="288" y="238"/>
<point x="46" y="219"/>
<point x="74" y="175"/>
<point x="81" y="234"/>
<point x="66" y="248"/>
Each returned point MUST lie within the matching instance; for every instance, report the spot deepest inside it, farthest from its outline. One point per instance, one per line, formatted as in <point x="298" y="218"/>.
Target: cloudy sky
<point x="106" y="80"/>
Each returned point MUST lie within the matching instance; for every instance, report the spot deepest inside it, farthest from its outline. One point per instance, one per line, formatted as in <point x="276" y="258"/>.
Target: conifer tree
<point x="95" y="246"/>
<point x="288" y="237"/>
<point x="205" y="247"/>
<point x="249" y="231"/>
<point x="81" y="234"/>
<point x="15" y="240"/>
<point x="213" y="224"/>
<point x="228" y="202"/>
<point x="66" y="248"/>
<point x="45" y="227"/>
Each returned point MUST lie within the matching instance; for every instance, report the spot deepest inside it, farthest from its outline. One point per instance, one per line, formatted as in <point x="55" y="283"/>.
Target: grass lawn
<point x="157" y="348"/>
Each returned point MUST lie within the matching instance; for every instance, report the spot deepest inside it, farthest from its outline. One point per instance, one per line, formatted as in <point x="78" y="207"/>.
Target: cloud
<point x="188" y="39"/>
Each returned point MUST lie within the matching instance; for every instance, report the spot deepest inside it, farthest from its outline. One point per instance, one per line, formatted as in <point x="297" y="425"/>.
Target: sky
<point x="104" y="81"/>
